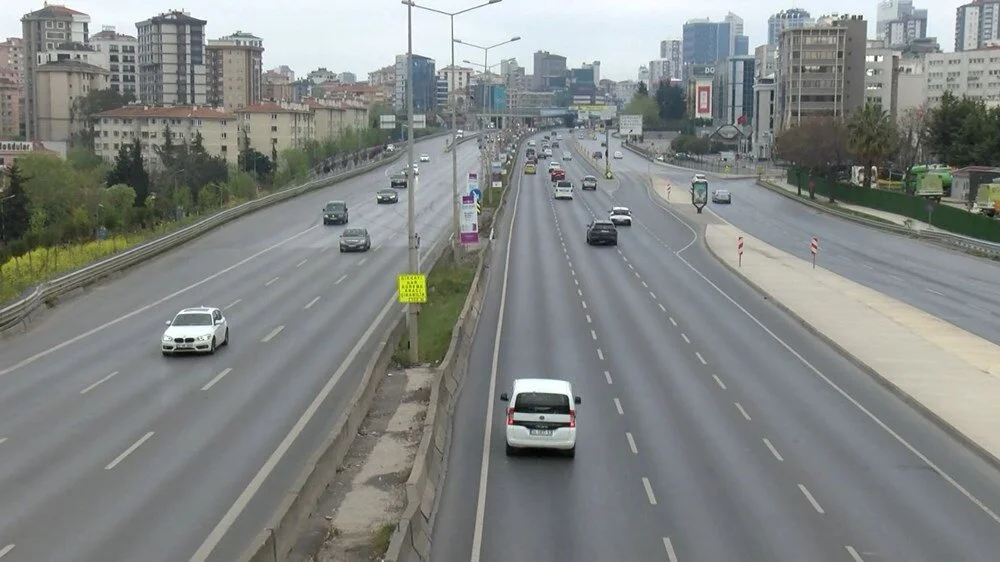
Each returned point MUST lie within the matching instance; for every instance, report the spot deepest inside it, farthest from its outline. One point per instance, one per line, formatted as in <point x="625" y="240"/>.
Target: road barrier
<point x="19" y="313"/>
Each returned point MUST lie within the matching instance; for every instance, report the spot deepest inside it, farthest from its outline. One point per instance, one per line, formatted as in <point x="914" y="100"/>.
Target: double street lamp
<point x="487" y="90"/>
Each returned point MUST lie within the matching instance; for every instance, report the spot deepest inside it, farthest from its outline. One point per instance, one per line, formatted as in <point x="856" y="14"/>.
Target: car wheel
<point x="511" y="451"/>
<point x="342" y="250"/>
<point x="211" y="350"/>
<point x="570" y="453"/>
<point x="226" y="342"/>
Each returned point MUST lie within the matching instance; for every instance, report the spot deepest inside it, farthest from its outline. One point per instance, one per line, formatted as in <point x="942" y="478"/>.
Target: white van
<point x="541" y="415"/>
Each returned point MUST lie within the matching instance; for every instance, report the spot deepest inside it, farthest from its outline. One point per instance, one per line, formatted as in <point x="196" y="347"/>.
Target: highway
<point x="946" y="283"/>
<point x="713" y="427"/>
<point x="110" y="452"/>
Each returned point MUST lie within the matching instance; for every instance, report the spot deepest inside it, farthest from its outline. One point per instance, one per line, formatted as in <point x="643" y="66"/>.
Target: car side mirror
<point x="504" y="397"/>
<point x="577" y="400"/>
<point x="168" y="322"/>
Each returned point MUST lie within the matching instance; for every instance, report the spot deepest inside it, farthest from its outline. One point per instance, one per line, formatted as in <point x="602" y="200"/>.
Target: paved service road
<point x="945" y="283"/>
<point x="703" y="436"/>
<point x="110" y="452"/>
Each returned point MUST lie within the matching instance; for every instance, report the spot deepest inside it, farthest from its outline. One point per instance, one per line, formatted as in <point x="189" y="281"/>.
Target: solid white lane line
<point x="672" y="321"/>
<point x="600" y="354"/>
<point x="584" y="303"/>
<point x="933" y="292"/>
<point x="896" y="277"/>
<point x="341" y="280"/>
<point x="128" y="451"/>
<point x="273" y="333"/>
<point x="719" y="381"/>
<point x="774" y="451"/>
<point x="866" y="266"/>
<point x="301" y="263"/>
<point x="649" y="491"/>
<point x="311" y="303"/>
<point x="217" y="378"/>
<point x="323" y="249"/>
<point x="854" y="554"/>
<point x="671" y="555"/>
<point x="6" y="550"/>
<point x="272" y="281"/>
<point x="812" y="500"/>
<point x="685" y="336"/>
<point x="631" y="443"/>
<point x="662" y="307"/>
<point x="742" y="411"/>
<point x="362" y="262"/>
<point x="652" y="294"/>
<point x="232" y="304"/>
<point x="98" y="383"/>
<point x="700" y="358"/>
<point x="644" y="285"/>
<point x="589" y="319"/>
<point x="593" y="335"/>
<point x="618" y="406"/>
<point x="607" y="376"/>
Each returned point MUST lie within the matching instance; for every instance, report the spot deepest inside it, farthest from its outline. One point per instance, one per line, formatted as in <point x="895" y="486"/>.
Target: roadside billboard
<point x="630" y="125"/>
<point x="703" y="100"/>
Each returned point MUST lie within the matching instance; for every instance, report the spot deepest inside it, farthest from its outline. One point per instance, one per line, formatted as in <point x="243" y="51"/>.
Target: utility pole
<point x="455" y="217"/>
<point x="412" y="324"/>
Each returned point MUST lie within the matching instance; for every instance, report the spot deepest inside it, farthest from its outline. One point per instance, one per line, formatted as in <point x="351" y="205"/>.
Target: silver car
<point x="355" y="240"/>
<point x="722" y="196"/>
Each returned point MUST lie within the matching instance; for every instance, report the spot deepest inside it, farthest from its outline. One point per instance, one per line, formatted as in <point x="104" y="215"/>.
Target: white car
<point x="567" y="155"/>
<point x="195" y="330"/>
<point x="618" y="155"/>
<point x="541" y="414"/>
<point x="621" y="216"/>
<point x="558" y="137"/>
<point x="531" y="143"/>
<point x="425" y="157"/>
<point x="699" y="177"/>
<point x="563" y="190"/>
<point x="553" y="165"/>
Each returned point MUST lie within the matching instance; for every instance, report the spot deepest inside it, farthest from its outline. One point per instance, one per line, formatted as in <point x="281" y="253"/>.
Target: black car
<point x="387" y="196"/>
<point x="589" y="182"/>
<point x="602" y="232"/>
<point x="555" y="144"/>
<point x="398" y="181"/>
<point x="355" y="240"/>
<point x="335" y="212"/>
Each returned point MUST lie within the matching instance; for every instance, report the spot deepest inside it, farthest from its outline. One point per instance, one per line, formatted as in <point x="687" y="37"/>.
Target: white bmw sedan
<point x="195" y="330"/>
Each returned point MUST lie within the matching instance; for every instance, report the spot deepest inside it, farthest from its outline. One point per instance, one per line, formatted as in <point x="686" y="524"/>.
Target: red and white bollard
<point x="739" y="248"/>
<point x="814" y="248"/>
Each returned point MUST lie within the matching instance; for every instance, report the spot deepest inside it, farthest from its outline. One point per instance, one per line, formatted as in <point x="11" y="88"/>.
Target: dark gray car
<point x="589" y="182"/>
<point x="355" y="240"/>
<point x="335" y="212"/>
<point x="387" y="196"/>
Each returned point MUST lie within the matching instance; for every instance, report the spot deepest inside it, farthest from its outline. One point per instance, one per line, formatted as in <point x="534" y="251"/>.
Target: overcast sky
<point x="360" y="36"/>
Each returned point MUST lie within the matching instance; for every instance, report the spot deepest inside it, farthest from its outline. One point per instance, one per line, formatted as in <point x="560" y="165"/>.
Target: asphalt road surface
<point x="946" y="283"/>
<point x="713" y="427"/>
<point x="110" y="452"/>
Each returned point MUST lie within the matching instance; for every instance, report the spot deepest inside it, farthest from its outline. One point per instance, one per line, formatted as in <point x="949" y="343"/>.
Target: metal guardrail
<point x="964" y="242"/>
<point x="21" y="310"/>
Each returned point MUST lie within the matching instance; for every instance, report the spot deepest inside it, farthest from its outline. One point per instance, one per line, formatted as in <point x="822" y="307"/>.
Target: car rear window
<point x="354" y="232"/>
<point x="603" y="226"/>
<point x="541" y="403"/>
<point x="621" y="212"/>
<point x="564" y="184"/>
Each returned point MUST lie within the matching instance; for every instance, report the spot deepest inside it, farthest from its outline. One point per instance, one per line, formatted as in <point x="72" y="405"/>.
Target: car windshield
<point x="621" y="211"/>
<point x="386" y="192"/>
<point x="722" y="193"/>
<point x="334" y="206"/>
<point x="192" y="319"/>
<point x="589" y="179"/>
<point x="541" y="403"/>
<point x="354" y="232"/>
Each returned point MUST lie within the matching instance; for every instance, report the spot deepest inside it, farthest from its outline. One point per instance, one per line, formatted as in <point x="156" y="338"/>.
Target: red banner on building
<point x="704" y="100"/>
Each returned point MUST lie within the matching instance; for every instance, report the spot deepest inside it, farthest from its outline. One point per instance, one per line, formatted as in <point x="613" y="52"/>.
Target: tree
<point x="962" y="132"/>
<point x="562" y="98"/>
<point x="911" y="130"/>
<point x="642" y="90"/>
<point x="817" y="145"/>
<point x="85" y="108"/>
<point x="690" y="144"/>
<point x="645" y="106"/>
<point x="670" y="100"/>
<point x="130" y="170"/>
<point x="16" y="215"/>
<point x="254" y="162"/>
<point x="871" y="137"/>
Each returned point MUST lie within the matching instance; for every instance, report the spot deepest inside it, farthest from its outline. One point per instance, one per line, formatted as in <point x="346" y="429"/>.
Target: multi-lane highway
<point x="111" y="452"/>
<point x="712" y="427"/>
<point x="945" y="283"/>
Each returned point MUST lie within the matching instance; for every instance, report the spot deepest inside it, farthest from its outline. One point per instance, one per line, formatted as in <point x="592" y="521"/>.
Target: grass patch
<point x="381" y="539"/>
<point x="447" y="288"/>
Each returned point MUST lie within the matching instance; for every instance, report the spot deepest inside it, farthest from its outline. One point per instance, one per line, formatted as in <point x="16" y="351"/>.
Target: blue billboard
<point x="499" y="100"/>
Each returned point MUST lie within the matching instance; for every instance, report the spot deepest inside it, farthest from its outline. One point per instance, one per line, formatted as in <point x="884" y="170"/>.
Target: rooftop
<point x="275" y="107"/>
<point x="170" y="111"/>
<point x="53" y="11"/>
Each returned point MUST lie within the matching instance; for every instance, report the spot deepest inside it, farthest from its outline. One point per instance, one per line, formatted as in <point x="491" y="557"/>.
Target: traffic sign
<point x="476" y="192"/>
<point x="412" y="288"/>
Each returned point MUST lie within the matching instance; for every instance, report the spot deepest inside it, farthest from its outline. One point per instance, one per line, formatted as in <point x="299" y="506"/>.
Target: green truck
<point x="988" y="199"/>
<point x="932" y="181"/>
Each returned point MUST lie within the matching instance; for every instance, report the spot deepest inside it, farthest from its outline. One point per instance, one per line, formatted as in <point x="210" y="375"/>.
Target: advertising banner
<point x="699" y="193"/>
<point x="703" y="107"/>
<point x="469" y="220"/>
<point x="499" y="101"/>
<point x="473" y="182"/>
<point x="630" y="125"/>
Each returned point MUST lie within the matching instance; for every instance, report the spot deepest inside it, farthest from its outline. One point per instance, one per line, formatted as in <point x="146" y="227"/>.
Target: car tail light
<point x="572" y="418"/>
<point x="510" y="416"/>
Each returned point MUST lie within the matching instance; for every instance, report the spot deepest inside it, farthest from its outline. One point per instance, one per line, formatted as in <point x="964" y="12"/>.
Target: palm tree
<point x="871" y="136"/>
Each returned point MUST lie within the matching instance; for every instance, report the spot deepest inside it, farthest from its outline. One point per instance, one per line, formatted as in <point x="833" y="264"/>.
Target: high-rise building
<point x="347" y="77"/>
<point x="234" y="71"/>
<point x="172" y="60"/>
<point x="898" y="23"/>
<point x="58" y="85"/>
<point x="12" y="59"/>
<point x="963" y="74"/>
<point x="45" y="30"/>
<point x="708" y="42"/>
<point x="12" y="88"/>
<point x="549" y="72"/>
<point x="977" y="24"/>
<point x="739" y="43"/>
<point x="424" y="84"/>
<point x="786" y="19"/>
<point x="643" y="75"/>
<point x="673" y="50"/>
<point x="736" y="90"/>
<point x="119" y="52"/>
<point x="661" y="70"/>
<point x="596" y="67"/>
<point x="766" y="60"/>
<point x="285" y="71"/>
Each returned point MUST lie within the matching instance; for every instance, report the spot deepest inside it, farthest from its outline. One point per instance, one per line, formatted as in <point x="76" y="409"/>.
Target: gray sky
<point x="362" y="36"/>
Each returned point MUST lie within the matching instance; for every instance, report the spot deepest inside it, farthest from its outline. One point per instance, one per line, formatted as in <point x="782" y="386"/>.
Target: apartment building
<point x="765" y="112"/>
<point x="821" y="70"/>
<point x="673" y="50"/>
<point x="385" y="80"/>
<point x="766" y="60"/>
<point x="735" y="80"/>
<point x="71" y="52"/>
<point x="972" y="73"/>
<point x="57" y="87"/>
<point x="44" y="30"/>
<point x="661" y="70"/>
<point x="10" y="107"/>
<point x="457" y="80"/>
<point x="234" y="69"/>
<point x="12" y="59"/>
<point x="172" y="60"/>
<point x="786" y="19"/>
<point x="276" y="87"/>
<point x="332" y="118"/>
<point x="424" y="84"/>
<point x="882" y="76"/>
<point x="271" y="127"/>
<point x="218" y="128"/>
<point x="977" y="24"/>
<point x="549" y="71"/>
<point x="119" y="57"/>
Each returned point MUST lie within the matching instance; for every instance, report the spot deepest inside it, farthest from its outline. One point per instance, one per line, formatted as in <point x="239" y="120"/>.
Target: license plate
<point x="541" y="432"/>
<point x="185" y="345"/>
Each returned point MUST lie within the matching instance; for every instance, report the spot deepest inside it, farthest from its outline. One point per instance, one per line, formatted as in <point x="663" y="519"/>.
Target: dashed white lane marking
<point x="662" y="307"/>
<point x="99" y="383"/>
<point x="341" y="280"/>
<point x="584" y="303"/>
<point x="700" y="358"/>
<point x="311" y="303"/>
<point x="118" y="460"/>
<point x="377" y="248"/>
<point x="649" y="491"/>
<point x="652" y="294"/>
<point x="301" y="263"/>
<point x="854" y="554"/>
<point x="600" y="354"/>
<point x="812" y="500"/>
<point x="362" y="262"/>
<point x="593" y="335"/>
<point x="607" y="376"/>
<point x="631" y="443"/>
<point x="866" y="266"/>
<point x="618" y="406"/>
<point x="570" y="264"/>
<point x="632" y="267"/>
<point x="232" y="304"/>
<point x="572" y="272"/>
<point x="637" y="276"/>
<point x="933" y="292"/>
<point x="672" y="321"/>
<point x="671" y="555"/>
<point x="589" y="319"/>
<point x="742" y="411"/>
<point x="685" y="336"/>
<point x="6" y="550"/>
<point x="895" y="277"/>
<point x="272" y="335"/>
<point x="576" y="281"/>
<point x="272" y="281"/>
<point x="623" y="257"/>
<point x="217" y="378"/>
<point x="774" y="451"/>
<point x="3" y="440"/>
<point x="644" y="285"/>
<point x="722" y="385"/>
<point x="579" y="292"/>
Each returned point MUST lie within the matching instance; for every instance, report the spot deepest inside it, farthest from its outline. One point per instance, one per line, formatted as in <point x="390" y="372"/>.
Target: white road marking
<point x="572" y="272"/>
<point x="773" y="450"/>
<point x="742" y="411"/>
<point x="301" y="263"/>
<point x="600" y="354"/>
<point x="579" y="292"/>
<point x="593" y="335"/>
<point x="607" y="376"/>
<point x="272" y="281"/>
<point x="652" y="294"/>
<point x="98" y="383"/>
<point x="637" y="276"/>
<point x="623" y="257"/>
<point x="644" y="285"/>
<point x="631" y="443"/>
<point x="570" y="265"/>
<point x="618" y="406"/>
<point x="866" y="266"/>
<point x="217" y="378"/>
<point x="311" y="303"/>
<point x="854" y="554"/>
<point x="584" y="303"/>
<point x="362" y="262"/>
<point x="232" y="304"/>
<point x="118" y="460"/>
<point x="896" y="277"/>
<point x="6" y="550"/>
<point x="685" y="336"/>
<point x="377" y="248"/>
<point x="341" y="280"/>
<point x="576" y="281"/>
<point x="933" y="292"/>
<point x="672" y="321"/>
<point x="649" y="491"/>
<point x="812" y="500"/>
<point x="700" y="358"/>
<point x="632" y="267"/>
<point x="323" y="249"/>
<point x="589" y="319"/>
<point x="3" y="440"/>
<point x="671" y="555"/>
<point x="662" y="307"/>
<point x="719" y="381"/>
<point x="272" y="335"/>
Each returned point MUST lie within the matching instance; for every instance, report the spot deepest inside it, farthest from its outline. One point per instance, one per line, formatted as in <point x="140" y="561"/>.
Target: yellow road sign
<point x="412" y="288"/>
<point x="479" y="208"/>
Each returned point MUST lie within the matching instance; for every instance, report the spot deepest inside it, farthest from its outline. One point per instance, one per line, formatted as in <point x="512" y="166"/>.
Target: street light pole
<point x="3" y="219"/>
<point x="412" y="325"/>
